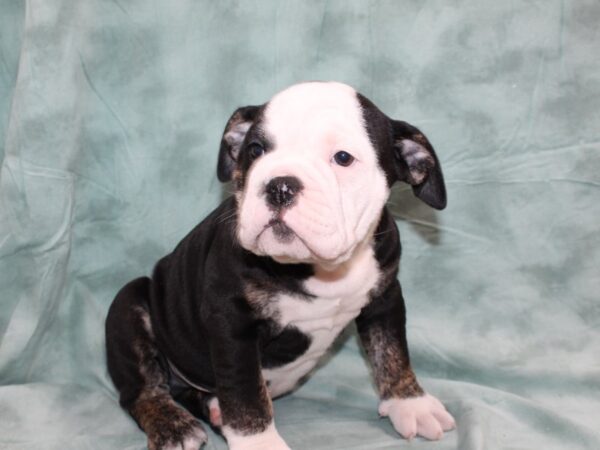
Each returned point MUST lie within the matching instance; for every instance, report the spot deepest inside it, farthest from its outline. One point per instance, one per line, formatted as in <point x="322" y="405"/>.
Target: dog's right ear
<point x="233" y="137"/>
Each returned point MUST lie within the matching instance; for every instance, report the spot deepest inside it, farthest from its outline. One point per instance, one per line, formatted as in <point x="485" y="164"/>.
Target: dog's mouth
<point x="281" y="230"/>
<point x="284" y="234"/>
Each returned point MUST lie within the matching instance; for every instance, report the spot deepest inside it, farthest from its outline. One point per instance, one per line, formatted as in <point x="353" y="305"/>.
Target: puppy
<point x="251" y="299"/>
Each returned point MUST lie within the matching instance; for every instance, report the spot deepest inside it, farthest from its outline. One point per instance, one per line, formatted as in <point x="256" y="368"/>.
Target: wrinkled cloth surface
<point x="111" y="114"/>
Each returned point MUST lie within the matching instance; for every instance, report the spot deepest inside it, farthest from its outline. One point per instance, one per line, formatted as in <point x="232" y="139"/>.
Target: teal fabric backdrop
<point x="110" y="120"/>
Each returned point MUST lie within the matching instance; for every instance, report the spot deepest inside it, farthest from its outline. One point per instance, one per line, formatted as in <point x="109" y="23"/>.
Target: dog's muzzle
<point x="281" y="193"/>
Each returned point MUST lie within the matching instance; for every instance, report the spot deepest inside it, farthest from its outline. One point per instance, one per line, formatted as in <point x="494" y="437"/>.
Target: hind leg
<point x="134" y="364"/>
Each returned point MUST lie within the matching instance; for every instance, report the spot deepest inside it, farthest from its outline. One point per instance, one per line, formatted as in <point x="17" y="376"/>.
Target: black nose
<point x="281" y="191"/>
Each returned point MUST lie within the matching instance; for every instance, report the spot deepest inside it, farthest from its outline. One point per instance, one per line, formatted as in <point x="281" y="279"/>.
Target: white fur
<point x="268" y="439"/>
<point x="424" y="416"/>
<point x="340" y="295"/>
<point x="307" y="124"/>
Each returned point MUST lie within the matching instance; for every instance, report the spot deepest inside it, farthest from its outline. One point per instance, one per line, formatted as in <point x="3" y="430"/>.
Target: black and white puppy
<point x="248" y="302"/>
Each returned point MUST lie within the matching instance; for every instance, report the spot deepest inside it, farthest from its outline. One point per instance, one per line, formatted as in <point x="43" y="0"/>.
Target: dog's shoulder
<point x="215" y="236"/>
<point x="210" y="242"/>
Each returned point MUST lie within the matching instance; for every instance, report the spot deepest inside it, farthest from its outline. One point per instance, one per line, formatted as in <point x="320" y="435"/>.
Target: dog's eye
<point x="343" y="158"/>
<point x="255" y="150"/>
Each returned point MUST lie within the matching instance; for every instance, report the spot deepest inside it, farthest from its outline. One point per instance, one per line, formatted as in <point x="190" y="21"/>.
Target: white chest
<point x="339" y="297"/>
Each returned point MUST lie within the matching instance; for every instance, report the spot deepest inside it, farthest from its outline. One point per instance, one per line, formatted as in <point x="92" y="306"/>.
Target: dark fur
<point x="209" y="305"/>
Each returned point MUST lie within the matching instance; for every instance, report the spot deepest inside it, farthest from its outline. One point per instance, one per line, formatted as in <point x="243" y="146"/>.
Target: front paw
<point x="269" y="439"/>
<point x="424" y="416"/>
<point x="176" y="430"/>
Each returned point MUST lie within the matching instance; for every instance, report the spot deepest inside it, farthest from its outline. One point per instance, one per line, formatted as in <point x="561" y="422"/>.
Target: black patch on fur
<point x="379" y="130"/>
<point x="262" y="272"/>
<point x="283" y="347"/>
<point x="387" y="248"/>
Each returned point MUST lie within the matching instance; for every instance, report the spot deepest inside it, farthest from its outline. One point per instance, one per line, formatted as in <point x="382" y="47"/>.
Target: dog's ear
<point x="417" y="164"/>
<point x="233" y="137"/>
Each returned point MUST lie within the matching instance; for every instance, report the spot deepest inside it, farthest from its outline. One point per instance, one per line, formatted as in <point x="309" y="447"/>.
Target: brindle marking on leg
<point x="144" y="346"/>
<point x="246" y="420"/>
<point x="393" y="375"/>
<point x="165" y="423"/>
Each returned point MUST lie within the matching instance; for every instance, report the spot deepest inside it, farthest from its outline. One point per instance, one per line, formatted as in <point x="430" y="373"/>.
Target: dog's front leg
<point x="382" y="329"/>
<point x="244" y="401"/>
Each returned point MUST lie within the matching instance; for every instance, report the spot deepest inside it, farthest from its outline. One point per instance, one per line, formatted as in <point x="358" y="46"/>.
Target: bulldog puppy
<point x="251" y="299"/>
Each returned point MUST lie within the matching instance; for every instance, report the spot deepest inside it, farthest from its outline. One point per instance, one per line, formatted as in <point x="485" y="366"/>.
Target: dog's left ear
<point x="417" y="164"/>
<point x="233" y="137"/>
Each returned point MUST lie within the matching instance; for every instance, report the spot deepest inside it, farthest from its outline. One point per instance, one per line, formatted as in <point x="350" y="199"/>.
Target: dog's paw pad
<point x="423" y="416"/>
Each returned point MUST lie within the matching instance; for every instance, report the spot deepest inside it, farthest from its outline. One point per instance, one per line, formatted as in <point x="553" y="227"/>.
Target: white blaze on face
<point x="338" y="206"/>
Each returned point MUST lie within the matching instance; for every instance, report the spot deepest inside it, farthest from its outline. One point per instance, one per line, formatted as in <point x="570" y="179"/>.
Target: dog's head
<point x="312" y="169"/>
